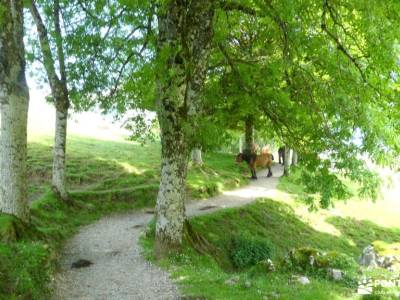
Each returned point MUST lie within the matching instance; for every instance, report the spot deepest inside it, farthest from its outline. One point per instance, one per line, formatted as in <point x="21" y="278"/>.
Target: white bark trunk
<point x="60" y="139"/>
<point x="294" y="158"/>
<point x="14" y="101"/>
<point x="197" y="157"/>
<point x="171" y="203"/>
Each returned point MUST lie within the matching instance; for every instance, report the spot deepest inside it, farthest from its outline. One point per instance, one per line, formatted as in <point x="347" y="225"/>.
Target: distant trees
<point x="14" y="99"/>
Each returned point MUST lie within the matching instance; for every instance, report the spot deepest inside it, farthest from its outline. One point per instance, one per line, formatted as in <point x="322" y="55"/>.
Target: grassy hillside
<point x="102" y="165"/>
<point x="103" y="177"/>
<point x="280" y="224"/>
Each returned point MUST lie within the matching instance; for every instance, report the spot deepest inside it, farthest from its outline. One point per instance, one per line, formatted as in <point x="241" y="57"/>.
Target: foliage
<point x="246" y="251"/>
<point x="318" y="77"/>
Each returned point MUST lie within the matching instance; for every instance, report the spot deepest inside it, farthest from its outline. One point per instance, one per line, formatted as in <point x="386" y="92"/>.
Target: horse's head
<point x="239" y="158"/>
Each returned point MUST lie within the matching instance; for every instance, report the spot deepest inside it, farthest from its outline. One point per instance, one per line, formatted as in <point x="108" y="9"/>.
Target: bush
<point x="246" y="252"/>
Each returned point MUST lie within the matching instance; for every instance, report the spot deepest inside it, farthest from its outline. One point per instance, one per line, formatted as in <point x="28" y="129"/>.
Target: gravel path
<point x="119" y="271"/>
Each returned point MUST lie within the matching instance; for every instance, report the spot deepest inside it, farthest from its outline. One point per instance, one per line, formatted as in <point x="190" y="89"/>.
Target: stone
<point x="369" y="257"/>
<point x="232" y="280"/>
<point x="270" y="265"/>
<point x="335" y="274"/>
<point x="81" y="263"/>
<point x="271" y="296"/>
<point x="301" y="279"/>
<point x="247" y="284"/>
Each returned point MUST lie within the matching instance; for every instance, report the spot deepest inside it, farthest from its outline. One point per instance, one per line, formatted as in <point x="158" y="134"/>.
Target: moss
<point x="12" y="229"/>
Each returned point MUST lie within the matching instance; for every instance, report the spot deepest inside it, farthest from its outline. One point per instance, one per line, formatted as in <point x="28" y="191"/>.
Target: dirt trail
<point x="119" y="271"/>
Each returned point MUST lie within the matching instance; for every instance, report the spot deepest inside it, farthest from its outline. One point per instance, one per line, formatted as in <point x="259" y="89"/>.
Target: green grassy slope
<point x="103" y="177"/>
<point x="283" y="224"/>
<point x="101" y="165"/>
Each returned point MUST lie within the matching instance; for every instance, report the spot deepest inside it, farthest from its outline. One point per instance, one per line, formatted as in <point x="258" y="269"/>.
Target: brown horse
<point x="264" y="160"/>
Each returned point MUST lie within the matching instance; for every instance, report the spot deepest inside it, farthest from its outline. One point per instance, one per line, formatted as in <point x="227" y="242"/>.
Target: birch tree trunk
<point x="294" y="158"/>
<point x="14" y="101"/>
<point x="59" y="152"/>
<point x="185" y="33"/>
<point x="286" y="162"/>
<point x="59" y="91"/>
<point x="196" y="156"/>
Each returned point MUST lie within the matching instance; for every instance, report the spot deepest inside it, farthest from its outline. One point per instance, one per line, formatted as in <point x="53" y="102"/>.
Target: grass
<point x="284" y="223"/>
<point x="101" y="165"/>
<point x="103" y="177"/>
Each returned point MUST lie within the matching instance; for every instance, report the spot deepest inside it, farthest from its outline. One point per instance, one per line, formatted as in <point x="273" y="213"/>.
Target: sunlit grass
<point x="97" y="165"/>
<point x="285" y="222"/>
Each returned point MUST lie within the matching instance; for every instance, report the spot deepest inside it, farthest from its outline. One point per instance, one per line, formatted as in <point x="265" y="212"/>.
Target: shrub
<point x="247" y="252"/>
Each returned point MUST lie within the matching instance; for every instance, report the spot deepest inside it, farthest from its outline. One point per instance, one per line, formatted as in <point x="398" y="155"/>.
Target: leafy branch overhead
<point x="318" y="76"/>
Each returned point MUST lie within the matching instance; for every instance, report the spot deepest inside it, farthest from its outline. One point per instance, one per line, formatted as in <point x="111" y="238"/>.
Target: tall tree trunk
<point x="196" y="156"/>
<point x="286" y="165"/>
<point x="59" y="152"/>
<point x="14" y="102"/>
<point x="294" y="158"/>
<point x="185" y="33"/>
<point x="59" y="91"/>
<point x="249" y="133"/>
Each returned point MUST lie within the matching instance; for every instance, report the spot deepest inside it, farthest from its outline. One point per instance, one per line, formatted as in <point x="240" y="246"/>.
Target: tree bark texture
<point x="249" y="133"/>
<point x="286" y="162"/>
<point x="14" y="102"/>
<point x="59" y="91"/>
<point x="185" y="33"/>
<point x="294" y="158"/>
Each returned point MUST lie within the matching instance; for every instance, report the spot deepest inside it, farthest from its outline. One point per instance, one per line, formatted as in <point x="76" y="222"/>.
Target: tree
<point x="286" y="162"/>
<point x="196" y="156"/>
<point x="59" y="91"/>
<point x="14" y="99"/>
<point x="183" y="45"/>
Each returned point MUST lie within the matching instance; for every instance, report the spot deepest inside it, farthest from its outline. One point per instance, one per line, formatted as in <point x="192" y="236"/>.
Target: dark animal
<point x="264" y="160"/>
<point x="281" y="155"/>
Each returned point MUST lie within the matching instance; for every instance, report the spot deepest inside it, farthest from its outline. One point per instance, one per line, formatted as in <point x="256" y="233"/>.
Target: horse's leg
<point x="269" y="172"/>
<point x="253" y="171"/>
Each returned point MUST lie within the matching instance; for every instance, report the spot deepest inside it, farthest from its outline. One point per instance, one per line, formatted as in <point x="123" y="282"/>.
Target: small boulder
<point x="369" y="257"/>
<point x="270" y="265"/>
<point x="81" y="263"/>
<point x="335" y="274"/>
<point x="232" y="280"/>
<point x="303" y="280"/>
<point x="247" y="284"/>
<point x="272" y="296"/>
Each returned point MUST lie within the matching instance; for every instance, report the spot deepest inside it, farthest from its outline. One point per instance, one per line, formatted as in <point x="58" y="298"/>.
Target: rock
<point x="271" y="296"/>
<point x="247" y="284"/>
<point x="81" y="263"/>
<point x="335" y="274"/>
<point x="304" y="280"/>
<point x="301" y="279"/>
<point x="369" y="257"/>
<point x="232" y="281"/>
<point x="270" y="265"/>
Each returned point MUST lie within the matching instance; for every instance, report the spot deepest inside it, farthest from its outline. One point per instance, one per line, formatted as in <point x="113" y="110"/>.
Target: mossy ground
<point x="104" y="177"/>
